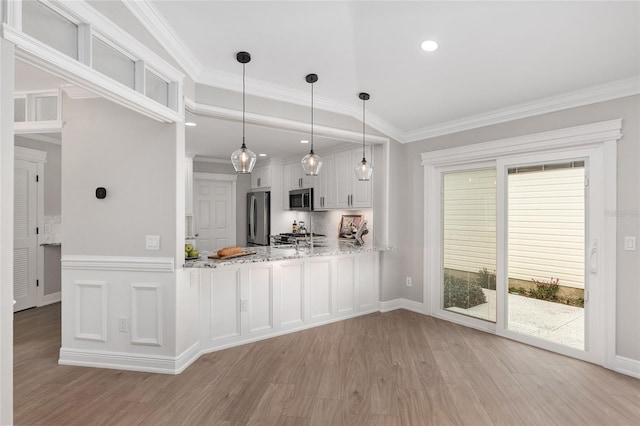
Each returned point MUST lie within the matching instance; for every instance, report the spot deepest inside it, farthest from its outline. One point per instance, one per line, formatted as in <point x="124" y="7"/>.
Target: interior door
<point x="25" y="252"/>
<point x="214" y="210"/>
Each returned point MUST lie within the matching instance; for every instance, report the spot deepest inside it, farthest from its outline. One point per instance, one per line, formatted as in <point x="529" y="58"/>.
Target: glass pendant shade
<point x="363" y="170"/>
<point x="311" y="164"/>
<point x="243" y="160"/>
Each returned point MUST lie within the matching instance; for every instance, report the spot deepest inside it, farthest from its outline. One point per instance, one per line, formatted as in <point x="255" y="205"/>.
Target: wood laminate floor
<point x="396" y="368"/>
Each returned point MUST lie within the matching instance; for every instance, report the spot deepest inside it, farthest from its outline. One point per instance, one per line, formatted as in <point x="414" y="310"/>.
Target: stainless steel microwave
<point x="301" y="199"/>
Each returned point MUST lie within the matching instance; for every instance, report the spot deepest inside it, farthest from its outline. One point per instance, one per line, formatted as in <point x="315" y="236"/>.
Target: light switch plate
<point x="630" y="243"/>
<point x="153" y="242"/>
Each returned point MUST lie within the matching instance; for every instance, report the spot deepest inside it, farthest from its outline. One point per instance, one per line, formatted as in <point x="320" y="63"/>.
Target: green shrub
<point x="486" y="279"/>
<point x="461" y="293"/>
<point x="545" y="290"/>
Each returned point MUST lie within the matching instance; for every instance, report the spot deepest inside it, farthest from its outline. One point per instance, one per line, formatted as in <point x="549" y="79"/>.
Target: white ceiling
<point x="492" y="55"/>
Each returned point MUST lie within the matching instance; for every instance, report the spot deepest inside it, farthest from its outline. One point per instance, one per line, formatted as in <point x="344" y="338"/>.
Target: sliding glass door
<point x="519" y="251"/>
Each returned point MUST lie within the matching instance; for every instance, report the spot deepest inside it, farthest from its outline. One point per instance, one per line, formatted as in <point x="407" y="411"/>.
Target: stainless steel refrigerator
<point x="258" y="218"/>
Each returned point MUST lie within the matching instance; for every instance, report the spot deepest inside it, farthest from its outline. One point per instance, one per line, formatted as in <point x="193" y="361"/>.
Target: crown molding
<point x="153" y="21"/>
<point x="264" y="89"/>
<point x="600" y="93"/>
<point x="203" y="159"/>
<point x="283" y="124"/>
<point x="41" y="138"/>
<point x="49" y="126"/>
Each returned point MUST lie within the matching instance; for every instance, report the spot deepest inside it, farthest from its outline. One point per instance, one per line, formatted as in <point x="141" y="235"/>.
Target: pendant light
<point x="243" y="159"/>
<point x="363" y="169"/>
<point x="311" y="163"/>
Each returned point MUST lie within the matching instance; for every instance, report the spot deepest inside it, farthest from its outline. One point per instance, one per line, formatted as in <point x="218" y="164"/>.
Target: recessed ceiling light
<point x="304" y="141"/>
<point x="190" y="124"/>
<point x="262" y="155"/>
<point x="429" y="45"/>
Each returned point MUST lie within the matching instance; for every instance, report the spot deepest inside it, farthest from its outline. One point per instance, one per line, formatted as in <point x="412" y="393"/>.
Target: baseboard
<point x="409" y="305"/>
<point x="628" y="366"/>
<point x="129" y="361"/>
<point x="49" y="299"/>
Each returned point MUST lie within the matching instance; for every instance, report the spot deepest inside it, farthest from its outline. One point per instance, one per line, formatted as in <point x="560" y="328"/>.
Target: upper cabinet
<point x="261" y="177"/>
<point x="294" y="178"/>
<point x="336" y="187"/>
<point x="347" y="190"/>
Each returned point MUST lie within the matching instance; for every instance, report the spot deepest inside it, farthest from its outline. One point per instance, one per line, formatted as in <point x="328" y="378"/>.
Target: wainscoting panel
<point x="224" y="304"/>
<point x="91" y="310"/>
<point x="146" y="314"/>
<point x="260" y="298"/>
<point x="320" y="288"/>
<point x="291" y="293"/>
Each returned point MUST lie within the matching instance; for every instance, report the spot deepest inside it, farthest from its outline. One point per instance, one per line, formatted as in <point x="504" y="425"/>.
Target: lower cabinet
<point x="248" y="302"/>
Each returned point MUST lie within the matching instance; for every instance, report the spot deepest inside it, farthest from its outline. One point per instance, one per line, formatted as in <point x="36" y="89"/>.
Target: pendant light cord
<point x="243" y="107"/>
<point x="363" y="101"/>
<point x="311" y="117"/>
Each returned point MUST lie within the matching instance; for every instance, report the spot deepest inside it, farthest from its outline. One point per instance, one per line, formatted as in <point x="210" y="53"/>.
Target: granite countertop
<point x="271" y="254"/>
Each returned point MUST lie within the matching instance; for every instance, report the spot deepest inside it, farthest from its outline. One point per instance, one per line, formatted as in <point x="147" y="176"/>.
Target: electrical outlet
<point x="408" y="281"/>
<point x="244" y="305"/>
<point x="122" y="325"/>
<point x="630" y="243"/>
<point x="152" y="242"/>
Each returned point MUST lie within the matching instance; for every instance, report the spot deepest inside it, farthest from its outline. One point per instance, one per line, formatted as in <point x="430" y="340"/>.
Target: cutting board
<point x="244" y="253"/>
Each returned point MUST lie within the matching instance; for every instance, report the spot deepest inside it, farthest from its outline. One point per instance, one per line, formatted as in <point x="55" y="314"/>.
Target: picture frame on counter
<point x="349" y="226"/>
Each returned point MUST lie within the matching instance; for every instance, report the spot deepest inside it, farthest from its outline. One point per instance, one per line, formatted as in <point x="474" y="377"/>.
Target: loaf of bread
<point x="228" y="251"/>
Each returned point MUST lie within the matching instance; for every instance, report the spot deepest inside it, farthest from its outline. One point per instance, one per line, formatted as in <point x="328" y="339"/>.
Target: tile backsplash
<point x="328" y="222"/>
<point x="52" y="230"/>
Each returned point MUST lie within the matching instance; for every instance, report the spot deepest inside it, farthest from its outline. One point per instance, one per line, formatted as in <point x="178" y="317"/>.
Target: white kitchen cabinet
<point x="350" y="193"/>
<point x="320" y="289"/>
<point x="294" y="178"/>
<point x="188" y="186"/>
<point x="261" y="177"/>
<point x="245" y="302"/>
<point x="346" y="288"/>
<point x="323" y="192"/>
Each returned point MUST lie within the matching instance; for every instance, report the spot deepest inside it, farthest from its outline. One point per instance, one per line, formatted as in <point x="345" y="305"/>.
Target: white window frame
<point x="602" y="135"/>
<point x="79" y="71"/>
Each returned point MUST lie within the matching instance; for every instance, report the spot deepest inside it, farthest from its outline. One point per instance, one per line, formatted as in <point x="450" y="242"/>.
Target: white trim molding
<point x="26" y="127"/>
<point x="600" y="93"/>
<point x="42" y="138"/>
<point x="628" y="366"/>
<point x="282" y="123"/>
<point x="401" y="303"/>
<point x="203" y="159"/>
<point x="215" y="176"/>
<point x="28" y="154"/>
<point x="118" y="263"/>
<point x="129" y="361"/>
<point x="154" y="22"/>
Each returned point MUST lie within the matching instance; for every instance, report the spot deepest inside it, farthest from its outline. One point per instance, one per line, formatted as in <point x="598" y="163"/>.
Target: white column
<point x="6" y="231"/>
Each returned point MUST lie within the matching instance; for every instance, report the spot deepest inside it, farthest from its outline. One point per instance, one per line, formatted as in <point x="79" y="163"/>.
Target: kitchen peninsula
<point x="281" y="290"/>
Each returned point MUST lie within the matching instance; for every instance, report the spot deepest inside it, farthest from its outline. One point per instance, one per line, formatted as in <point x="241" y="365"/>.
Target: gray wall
<point x="52" y="201"/>
<point x="134" y="158"/>
<point x="411" y="206"/>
